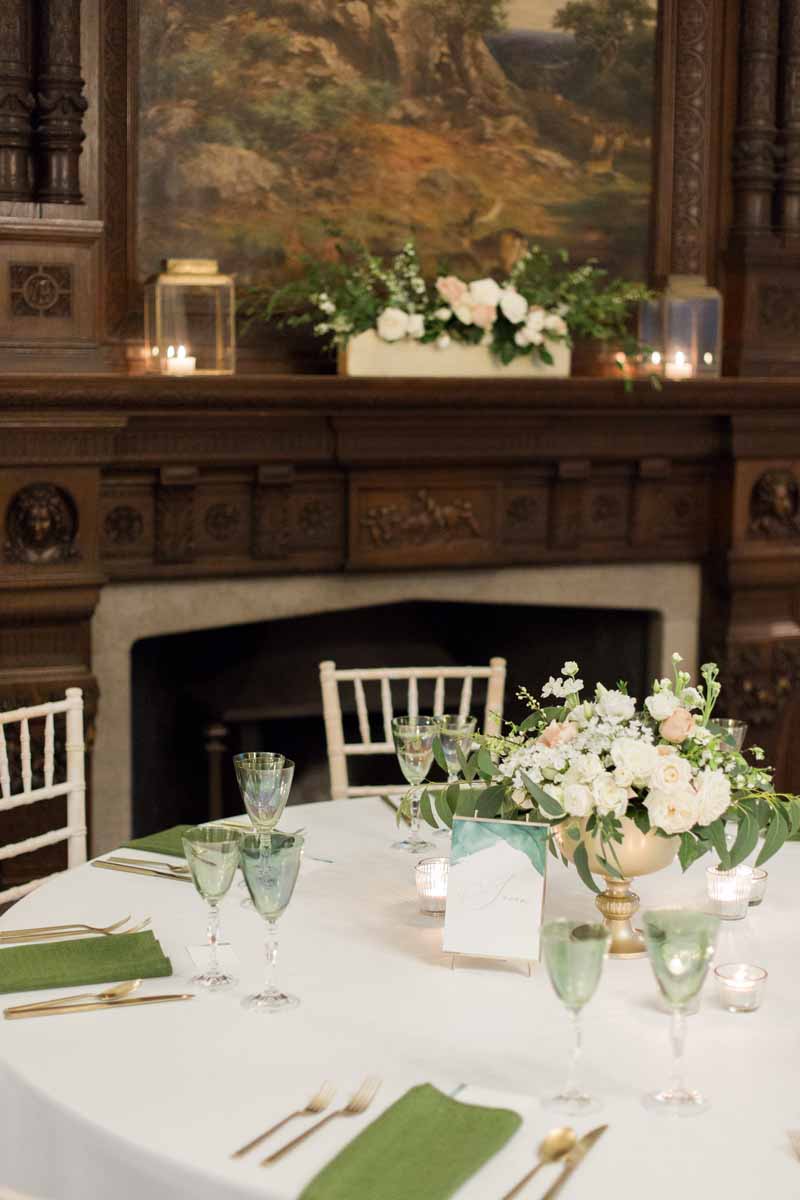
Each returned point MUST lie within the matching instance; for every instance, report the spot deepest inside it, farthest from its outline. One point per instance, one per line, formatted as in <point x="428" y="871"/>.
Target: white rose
<point x="392" y="324"/>
<point x="443" y="314"/>
<point x="609" y="797"/>
<point x="416" y="325"/>
<point x="581" y="713"/>
<point x="634" y="759"/>
<point x="674" y="812"/>
<point x="534" y="326"/>
<point x="521" y="338"/>
<point x="463" y="312"/>
<point x="661" y="705"/>
<point x="577" y="799"/>
<point x="555" y="324"/>
<point x="513" y="305"/>
<point x="583" y="768"/>
<point x="713" y="795"/>
<point x="670" y="774"/>
<point x="614" y="706"/>
<point x="485" y="291"/>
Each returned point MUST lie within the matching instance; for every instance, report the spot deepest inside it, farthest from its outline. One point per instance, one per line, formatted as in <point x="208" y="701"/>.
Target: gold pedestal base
<point x="618" y="904"/>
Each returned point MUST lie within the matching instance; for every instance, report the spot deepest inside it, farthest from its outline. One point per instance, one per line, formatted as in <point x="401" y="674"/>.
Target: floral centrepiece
<point x="541" y="303"/>
<point x="584" y="764"/>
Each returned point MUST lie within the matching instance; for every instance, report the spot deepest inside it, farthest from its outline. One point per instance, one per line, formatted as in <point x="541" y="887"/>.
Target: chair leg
<point x="216" y="751"/>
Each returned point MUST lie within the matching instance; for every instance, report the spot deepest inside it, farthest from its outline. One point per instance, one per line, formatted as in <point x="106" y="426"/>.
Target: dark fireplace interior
<point x="260" y="684"/>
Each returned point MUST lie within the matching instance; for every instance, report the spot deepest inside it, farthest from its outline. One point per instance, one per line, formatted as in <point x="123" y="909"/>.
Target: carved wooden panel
<point x="16" y="101"/>
<point x="692" y="199"/>
<point x="60" y="103"/>
<point x="270" y="520"/>
<point x="40" y="290"/>
<point x="790" y="88"/>
<point x="175" y="515"/>
<point x="755" y="146"/>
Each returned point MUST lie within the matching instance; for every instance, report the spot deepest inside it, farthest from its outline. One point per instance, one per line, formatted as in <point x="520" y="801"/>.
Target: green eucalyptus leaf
<point x="581" y="860"/>
<point x="746" y="839"/>
<point x="691" y="849"/>
<point x="438" y="754"/>
<point x="545" y="802"/>
<point x="490" y="801"/>
<point x="485" y="764"/>
<point x="716" y="835"/>
<point x="776" y="836"/>
<point x="609" y="868"/>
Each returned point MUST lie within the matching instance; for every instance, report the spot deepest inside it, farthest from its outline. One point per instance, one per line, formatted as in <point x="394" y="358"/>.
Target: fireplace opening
<point x="256" y="686"/>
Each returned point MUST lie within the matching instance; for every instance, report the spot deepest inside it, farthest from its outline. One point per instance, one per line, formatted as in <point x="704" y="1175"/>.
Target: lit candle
<point x="740" y="986"/>
<point x="432" y="884"/>
<point x="729" y="891"/>
<point x="180" y="363"/>
<point x="679" y="368"/>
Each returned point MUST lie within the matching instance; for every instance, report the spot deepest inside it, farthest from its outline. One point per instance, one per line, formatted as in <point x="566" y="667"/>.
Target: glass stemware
<point x="734" y="732"/>
<point x="213" y="856"/>
<point x="680" y="943"/>
<point x="265" y="780"/>
<point x="413" y="742"/>
<point x="455" y="734"/>
<point x="270" y="871"/>
<point x="574" y="954"/>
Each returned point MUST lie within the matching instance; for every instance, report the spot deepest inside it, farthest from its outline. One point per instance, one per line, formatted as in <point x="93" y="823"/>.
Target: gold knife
<point x="13" y="1014"/>
<point x="574" y="1159"/>
<point x="109" y="866"/>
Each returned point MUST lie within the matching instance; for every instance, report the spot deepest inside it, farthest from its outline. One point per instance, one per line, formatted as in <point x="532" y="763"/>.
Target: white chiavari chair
<point x="21" y="764"/>
<point x="339" y="750"/>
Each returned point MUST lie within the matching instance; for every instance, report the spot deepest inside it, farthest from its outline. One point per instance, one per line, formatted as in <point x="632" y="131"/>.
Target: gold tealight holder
<point x="432" y="874"/>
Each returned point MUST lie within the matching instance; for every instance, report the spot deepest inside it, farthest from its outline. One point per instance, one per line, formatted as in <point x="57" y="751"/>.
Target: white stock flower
<point x="583" y="768"/>
<point x="634" y="760"/>
<point x="443" y="314"/>
<point x="671" y="773"/>
<point x="463" y="312"/>
<point x="577" y="799"/>
<point x="677" y="658"/>
<point x="713" y="795"/>
<point x="661" y="705"/>
<point x="609" y="796"/>
<point x="581" y="713"/>
<point x="554" y="687"/>
<point x="556" y="324"/>
<point x="674" y="812"/>
<point x="570" y="668"/>
<point x="485" y="291"/>
<point x="691" y="698"/>
<point x="534" y="326"/>
<point x="416" y="325"/>
<point x="614" y="706"/>
<point x="392" y="324"/>
<point x="513" y="305"/>
<point x="327" y="306"/>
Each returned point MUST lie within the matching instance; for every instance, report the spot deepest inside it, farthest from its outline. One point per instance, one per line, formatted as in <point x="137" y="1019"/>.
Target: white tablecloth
<point x="150" y="1101"/>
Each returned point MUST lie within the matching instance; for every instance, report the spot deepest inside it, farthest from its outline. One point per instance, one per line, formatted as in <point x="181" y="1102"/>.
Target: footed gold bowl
<point x="639" y="854"/>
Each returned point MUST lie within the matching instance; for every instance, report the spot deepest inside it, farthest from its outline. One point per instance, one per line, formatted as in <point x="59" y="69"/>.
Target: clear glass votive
<point x="741" y="986"/>
<point x="758" y="887"/>
<point x="734" y="732"/>
<point x="729" y="891"/>
<point x="432" y="884"/>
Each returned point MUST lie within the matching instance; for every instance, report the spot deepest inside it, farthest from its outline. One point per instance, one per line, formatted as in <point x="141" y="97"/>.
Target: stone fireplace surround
<point x="128" y="612"/>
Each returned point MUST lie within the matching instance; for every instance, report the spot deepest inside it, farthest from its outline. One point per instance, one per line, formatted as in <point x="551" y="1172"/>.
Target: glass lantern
<point x="683" y="329"/>
<point x="189" y="319"/>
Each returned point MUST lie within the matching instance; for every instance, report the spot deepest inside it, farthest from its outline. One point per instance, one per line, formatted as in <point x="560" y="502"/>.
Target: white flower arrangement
<point x="665" y="765"/>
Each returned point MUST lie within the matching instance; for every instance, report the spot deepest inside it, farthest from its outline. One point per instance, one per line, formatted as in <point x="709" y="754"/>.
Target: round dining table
<point x="151" y="1101"/>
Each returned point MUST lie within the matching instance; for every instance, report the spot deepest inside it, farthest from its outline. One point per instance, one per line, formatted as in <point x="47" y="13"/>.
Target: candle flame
<point x="680" y="358"/>
<point x="656" y="358"/>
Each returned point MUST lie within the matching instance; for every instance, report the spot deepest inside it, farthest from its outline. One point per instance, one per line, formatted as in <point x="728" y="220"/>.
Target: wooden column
<point x="790" y="90"/>
<point x="60" y="103"/>
<point x="16" y="100"/>
<point x="755" y="144"/>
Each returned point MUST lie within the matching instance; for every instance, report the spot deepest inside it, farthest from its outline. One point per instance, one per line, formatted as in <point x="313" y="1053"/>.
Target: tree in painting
<point x="475" y="124"/>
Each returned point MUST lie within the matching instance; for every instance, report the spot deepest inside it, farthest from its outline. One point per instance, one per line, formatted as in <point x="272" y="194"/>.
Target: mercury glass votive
<point x="741" y="987"/>
<point x="729" y="891"/>
<point x="758" y="887"/>
<point x="432" y="884"/>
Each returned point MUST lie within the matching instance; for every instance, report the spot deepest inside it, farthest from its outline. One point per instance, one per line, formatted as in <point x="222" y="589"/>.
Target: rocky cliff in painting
<point x="261" y="120"/>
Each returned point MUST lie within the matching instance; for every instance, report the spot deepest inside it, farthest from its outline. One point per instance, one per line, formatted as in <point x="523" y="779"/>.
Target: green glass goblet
<point x="456" y="735"/>
<point x="213" y="856"/>
<point x="413" y="742"/>
<point x="265" y="781"/>
<point x="574" y="955"/>
<point x="680" y="943"/>
<point x="270" y="872"/>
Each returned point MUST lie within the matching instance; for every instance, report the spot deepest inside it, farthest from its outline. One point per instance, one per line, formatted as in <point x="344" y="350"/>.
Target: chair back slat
<point x="361" y="708"/>
<point x="44" y="787"/>
<point x="5" y="774"/>
<point x="49" y="750"/>
<point x="386" y="706"/>
<point x="339" y="750"/>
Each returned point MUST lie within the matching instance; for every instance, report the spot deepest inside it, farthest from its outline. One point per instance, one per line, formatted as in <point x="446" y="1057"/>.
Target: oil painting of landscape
<point x="476" y="125"/>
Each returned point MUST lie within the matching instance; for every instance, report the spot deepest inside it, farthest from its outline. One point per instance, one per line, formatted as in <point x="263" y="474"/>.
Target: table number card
<point x="495" y="890"/>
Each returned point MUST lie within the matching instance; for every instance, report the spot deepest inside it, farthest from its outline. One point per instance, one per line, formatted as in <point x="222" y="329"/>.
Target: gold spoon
<point x="552" y="1147"/>
<point x="113" y="993"/>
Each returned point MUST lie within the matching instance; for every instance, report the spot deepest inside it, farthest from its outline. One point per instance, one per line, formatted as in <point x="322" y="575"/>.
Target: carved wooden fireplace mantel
<point x="113" y="479"/>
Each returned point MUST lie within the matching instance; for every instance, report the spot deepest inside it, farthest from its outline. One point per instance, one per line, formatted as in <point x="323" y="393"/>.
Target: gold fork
<point x="150" y="862"/>
<point x="358" y="1104"/>
<point x="61" y="934"/>
<point x="317" y="1104"/>
<point x="75" y="927"/>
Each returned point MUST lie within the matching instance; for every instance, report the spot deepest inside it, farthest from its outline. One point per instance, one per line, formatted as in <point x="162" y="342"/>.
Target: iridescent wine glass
<point x="574" y="954"/>
<point x="212" y="854"/>
<point x="413" y="742"/>
<point x="265" y="781"/>
<point x="680" y="943"/>
<point x="270" y="872"/>
<point x="456" y="736"/>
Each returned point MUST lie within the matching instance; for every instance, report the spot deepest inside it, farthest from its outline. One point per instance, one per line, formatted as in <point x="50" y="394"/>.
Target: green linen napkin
<point x="168" y="841"/>
<point x="424" y="1137"/>
<point x="105" y="959"/>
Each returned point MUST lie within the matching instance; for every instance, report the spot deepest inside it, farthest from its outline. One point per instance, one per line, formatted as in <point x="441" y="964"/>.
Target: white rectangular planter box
<point x="369" y="355"/>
